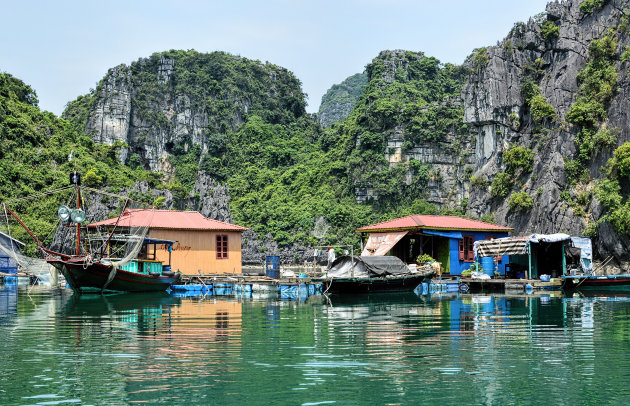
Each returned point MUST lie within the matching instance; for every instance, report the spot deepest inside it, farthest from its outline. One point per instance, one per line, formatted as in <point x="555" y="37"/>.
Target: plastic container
<point x="487" y="265"/>
<point x="545" y="278"/>
<point x="272" y="267"/>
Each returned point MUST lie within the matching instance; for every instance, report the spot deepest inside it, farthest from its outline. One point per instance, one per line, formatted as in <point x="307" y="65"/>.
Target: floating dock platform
<point x="247" y="286"/>
<point x="466" y="285"/>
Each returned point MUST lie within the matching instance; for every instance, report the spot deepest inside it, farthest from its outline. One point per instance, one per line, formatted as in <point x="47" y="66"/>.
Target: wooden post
<point x="564" y="260"/>
<point x="529" y="268"/>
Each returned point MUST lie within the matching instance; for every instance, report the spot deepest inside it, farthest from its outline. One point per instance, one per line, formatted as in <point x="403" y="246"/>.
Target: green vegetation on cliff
<point x="408" y="95"/>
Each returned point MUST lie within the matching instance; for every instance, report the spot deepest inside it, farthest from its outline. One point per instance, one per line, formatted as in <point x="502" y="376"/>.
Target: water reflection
<point x="374" y="349"/>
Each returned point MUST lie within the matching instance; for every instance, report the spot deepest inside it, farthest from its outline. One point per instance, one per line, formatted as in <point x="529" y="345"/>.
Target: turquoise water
<point x="376" y="350"/>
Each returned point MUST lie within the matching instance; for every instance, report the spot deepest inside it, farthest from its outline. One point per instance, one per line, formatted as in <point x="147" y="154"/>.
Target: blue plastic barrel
<point x="272" y="266"/>
<point x="273" y="263"/>
<point x="487" y="264"/>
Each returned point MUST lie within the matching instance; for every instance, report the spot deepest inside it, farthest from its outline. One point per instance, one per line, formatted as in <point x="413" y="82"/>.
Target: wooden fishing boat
<point x="91" y="258"/>
<point x="139" y="275"/>
<point x="371" y="274"/>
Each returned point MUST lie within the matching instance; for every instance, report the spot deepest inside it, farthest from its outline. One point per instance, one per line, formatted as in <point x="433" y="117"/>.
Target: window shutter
<point x="471" y="252"/>
<point x="461" y="250"/>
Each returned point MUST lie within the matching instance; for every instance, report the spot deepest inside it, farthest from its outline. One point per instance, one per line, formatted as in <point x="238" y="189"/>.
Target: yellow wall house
<point x="202" y="244"/>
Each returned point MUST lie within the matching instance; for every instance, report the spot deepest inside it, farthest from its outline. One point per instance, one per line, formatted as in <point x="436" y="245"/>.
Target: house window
<point x="466" y="252"/>
<point x="222" y="246"/>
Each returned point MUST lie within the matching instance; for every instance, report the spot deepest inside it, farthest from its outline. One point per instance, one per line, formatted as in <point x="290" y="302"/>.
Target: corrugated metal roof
<point x="435" y="223"/>
<point x="168" y="219"/>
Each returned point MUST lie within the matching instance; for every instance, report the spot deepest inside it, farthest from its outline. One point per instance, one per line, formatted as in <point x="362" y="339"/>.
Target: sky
<point x="63" y="48"/>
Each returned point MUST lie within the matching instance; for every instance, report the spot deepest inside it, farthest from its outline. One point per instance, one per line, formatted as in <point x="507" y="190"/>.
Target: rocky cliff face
<point x="179" y="99"/>
<point x="413" y="103"/>
<point x="497" y="110"/>
<point x="340" y="99"/>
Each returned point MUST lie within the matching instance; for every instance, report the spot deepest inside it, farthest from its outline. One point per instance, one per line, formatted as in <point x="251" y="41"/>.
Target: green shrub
<point x="520" y="201"/>
<point x="620" y="218"/>
<point x="501" y="185"/>
<point x="478" y="182"/>
<point x="92" y="178"/>
<point x="598" y="84"/>
<point x="608" y="193"/>
<point x="488" y="218"/>
<point x="159" y="202"/>
<point x="480" y="57"/>
<point x="518" y="157"/>
<point x="605" y="137"/>
<point x="588" y="6"/>
<point x="622" y="158"/>
<point x="625" y="56"/>
<point x="424" y="259"/>
<point x="540" y="109"/>
<point x="549" y="30"/>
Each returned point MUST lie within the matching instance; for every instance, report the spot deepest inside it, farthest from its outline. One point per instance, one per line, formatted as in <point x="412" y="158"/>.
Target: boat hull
<point x="82" y="277"/>
<point x="601" y="283"/>
<point x="403" y="283"/>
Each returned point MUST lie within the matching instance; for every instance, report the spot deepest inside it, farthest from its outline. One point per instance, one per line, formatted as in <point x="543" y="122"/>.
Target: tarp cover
<point x="586" y="252"/>
<point x="500" y="246"/>
<point x="380" y="243"/>
<point x="449" y="234"/>
<point x="367" y="267"/>
<point x="557" y="237"/>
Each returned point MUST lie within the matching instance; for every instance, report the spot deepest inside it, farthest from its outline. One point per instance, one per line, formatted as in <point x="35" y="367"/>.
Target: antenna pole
<point x="78" y="224"/>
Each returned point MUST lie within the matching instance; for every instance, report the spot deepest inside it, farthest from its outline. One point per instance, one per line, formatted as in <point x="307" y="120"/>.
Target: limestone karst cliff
<point x="178" y="99"/>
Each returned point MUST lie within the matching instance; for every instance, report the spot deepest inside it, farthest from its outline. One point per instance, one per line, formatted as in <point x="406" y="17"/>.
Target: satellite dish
<point x="63" y="213"/>
<point x="78" y="216"/>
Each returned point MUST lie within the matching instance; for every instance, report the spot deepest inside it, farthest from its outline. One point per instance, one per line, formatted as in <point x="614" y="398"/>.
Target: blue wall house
<point x="8" y="263"/>
<point x="447" y="239"/>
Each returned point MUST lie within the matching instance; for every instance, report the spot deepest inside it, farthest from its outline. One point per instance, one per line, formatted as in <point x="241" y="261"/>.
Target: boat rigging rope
<point x="38" y="195"/>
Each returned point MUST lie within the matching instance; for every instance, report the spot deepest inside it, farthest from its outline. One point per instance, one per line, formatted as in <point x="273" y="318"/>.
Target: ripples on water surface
<point x="386" y="349"/>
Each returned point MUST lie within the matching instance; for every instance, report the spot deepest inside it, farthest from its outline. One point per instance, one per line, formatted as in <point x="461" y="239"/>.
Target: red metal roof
<point x="168" y="219"/>
<point x="434" y="223"/>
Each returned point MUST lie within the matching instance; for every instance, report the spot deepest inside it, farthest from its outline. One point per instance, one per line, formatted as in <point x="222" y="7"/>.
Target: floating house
<point x="534" y="255"/>
<point x="447" y="239"/>
<point x="201" y="244"/>
<point x="8" y="264"/>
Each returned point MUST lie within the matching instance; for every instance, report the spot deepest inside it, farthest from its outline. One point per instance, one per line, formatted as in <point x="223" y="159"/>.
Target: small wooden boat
<point x="372" y="274"/>
<point x="598" y="282"/>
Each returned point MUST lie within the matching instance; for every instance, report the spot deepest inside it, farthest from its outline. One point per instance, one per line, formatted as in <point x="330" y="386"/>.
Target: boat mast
<point x="75" y="179"/>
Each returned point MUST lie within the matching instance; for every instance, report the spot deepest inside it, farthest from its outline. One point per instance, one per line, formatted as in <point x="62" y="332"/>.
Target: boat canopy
<point x="349" y="266"/>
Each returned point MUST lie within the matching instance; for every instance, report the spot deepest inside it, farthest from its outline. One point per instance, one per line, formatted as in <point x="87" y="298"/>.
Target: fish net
<point x="92" y="226"/>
